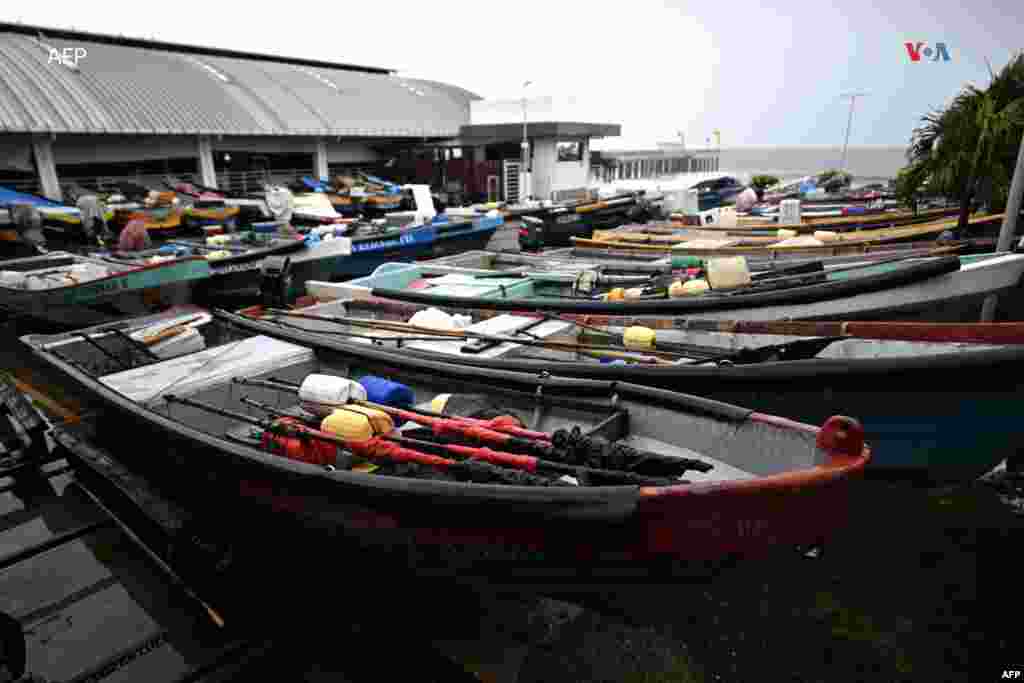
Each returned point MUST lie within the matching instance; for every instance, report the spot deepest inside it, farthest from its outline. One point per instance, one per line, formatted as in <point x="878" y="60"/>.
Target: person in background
<point x="135" y="236"/>
<point x="94" y="223"/>
<point x="746" y="200"/>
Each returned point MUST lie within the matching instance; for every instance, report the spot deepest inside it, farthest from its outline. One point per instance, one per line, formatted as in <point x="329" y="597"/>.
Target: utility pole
<point x="523" y="190"/>
<point x="849" y="122"/>
<point x="1009" y="229"/>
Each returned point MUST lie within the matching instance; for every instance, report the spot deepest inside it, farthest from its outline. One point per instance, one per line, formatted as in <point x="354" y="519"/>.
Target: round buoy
<point x="617" y="294"/>
<point x="349" y="425"/>
<point x="321" y="394"/>
<point x="694" y="287"/>
<point x="638" y="337"/>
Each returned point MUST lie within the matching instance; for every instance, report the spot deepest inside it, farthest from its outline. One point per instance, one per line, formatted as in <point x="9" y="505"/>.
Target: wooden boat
<point x="704" y="244"/>
<point x="627" y="473"/>
<point x="71" y="290"/>
<point x="59" y="221"/>
<point x="757" y="226"/>
<point x="942" y="288"/>
<point x="867" y="252"/>
<point x="880" y="371"/>
<point x="564" y="221"/>
<point x="237" y="260"/>
<point x="160" y="221"/>
<point x="202" y="214"/>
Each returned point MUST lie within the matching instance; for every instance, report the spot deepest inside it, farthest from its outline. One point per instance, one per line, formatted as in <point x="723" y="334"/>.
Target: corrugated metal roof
<point x="128" y="90"/>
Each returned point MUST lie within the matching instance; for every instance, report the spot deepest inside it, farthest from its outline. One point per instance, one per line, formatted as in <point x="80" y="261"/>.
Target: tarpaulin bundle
<point x="572" y="446"/>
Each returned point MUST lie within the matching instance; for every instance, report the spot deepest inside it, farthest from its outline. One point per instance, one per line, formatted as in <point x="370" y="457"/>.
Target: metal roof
<point x="137" y="88"/>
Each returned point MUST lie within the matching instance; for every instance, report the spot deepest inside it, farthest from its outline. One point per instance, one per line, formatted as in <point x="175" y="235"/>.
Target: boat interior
<point x="545" y="279"/>
<point x="217" y="378"/>
<point x="57" y="269"/>
<point x="484" y="334"/>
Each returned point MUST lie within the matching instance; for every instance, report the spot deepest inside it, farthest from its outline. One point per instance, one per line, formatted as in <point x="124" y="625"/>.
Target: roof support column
<point x="207" y="172"/>
<point x="46" y="168"/>
<point x="320" y="160"/>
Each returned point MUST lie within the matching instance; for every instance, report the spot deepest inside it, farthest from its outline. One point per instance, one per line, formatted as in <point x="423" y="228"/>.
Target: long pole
<point x="1009" y="229"/>
<point x="849" y="123"/>
<point x="523" y="193"/>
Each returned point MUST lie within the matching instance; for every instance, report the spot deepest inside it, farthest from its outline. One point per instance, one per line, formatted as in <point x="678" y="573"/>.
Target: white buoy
<point x="691" y="203"/>
<point x="789" y="212"/>
<point x="321" y="394"/>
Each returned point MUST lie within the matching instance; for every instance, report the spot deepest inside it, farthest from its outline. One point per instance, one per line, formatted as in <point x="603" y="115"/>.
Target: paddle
<point x="452" y="334"/>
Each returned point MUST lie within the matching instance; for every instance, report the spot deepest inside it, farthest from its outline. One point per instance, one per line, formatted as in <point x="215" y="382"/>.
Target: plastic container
<point x="694" y="287"/>
<point x="789" y="212"/>
<point x="638" y="337"/>
<point x="728" y="272"/>
<point x="322" y="394"/>
<point x="385" y="392"/>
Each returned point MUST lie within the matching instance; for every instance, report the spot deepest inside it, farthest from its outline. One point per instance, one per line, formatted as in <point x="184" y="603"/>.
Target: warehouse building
<point x="88" y="108"/>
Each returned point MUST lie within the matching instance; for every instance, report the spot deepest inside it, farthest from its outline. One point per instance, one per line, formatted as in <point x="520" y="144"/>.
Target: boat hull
<point x="133" y="292"/>
<point x="696" y="522"/>
<point x="939" y="290"/>
<point x="341" y="259"/>
<point x="953" y="431"/>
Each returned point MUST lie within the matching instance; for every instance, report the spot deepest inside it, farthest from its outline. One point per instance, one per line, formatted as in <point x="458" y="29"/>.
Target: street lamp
<point x="853" y="99"/>
<point x="525" y="150"/>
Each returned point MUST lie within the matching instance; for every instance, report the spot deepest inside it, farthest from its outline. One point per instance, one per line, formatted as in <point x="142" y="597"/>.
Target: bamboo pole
<point x="1009" y="229"/>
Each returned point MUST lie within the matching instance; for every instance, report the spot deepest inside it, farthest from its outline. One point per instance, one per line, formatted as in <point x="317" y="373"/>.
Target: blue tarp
<point x="9" y="197"/>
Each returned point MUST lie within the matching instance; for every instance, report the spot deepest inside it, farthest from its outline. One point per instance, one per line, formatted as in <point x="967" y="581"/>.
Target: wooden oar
<point x="169" y="332"/>
<point x="976" y="333"/>
<point x="455" y="334"/>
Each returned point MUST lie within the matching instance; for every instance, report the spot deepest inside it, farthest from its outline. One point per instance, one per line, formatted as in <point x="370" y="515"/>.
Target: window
<point x="570" y="150"/>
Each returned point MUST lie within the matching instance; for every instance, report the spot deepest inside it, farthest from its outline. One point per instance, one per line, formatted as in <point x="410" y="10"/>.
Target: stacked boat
<point x="651" y="393"/>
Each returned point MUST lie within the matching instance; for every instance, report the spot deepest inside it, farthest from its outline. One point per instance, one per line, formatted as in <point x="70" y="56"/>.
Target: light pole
<point x="853" y="99"/>
<point x="525" y="149"/>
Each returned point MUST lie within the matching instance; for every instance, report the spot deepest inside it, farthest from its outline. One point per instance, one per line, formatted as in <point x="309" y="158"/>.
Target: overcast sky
<point x="762" y="75"/>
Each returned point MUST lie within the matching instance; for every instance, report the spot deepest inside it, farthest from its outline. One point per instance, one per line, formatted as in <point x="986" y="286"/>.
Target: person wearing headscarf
<point x="134" y="236"/>
<point x="746" y="200"/>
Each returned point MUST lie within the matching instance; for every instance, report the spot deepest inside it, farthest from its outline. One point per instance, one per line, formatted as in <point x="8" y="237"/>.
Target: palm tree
<point x="971" y="143"/>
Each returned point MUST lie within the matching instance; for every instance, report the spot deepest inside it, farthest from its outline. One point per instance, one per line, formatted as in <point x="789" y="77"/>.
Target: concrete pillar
<point x="207" y="173"/>
<point x="46" y="168"/>
<point x="320" y="160"/>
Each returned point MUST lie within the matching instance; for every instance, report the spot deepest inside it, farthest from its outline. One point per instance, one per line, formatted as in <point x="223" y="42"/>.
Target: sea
<point x="867" y="163"/>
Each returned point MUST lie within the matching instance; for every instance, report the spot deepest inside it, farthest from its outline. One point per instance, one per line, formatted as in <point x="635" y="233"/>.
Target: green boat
<point x="69" y="290"/>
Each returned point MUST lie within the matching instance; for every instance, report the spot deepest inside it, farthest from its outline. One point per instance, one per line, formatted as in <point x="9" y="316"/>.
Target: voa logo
<point x="937" y="53"/>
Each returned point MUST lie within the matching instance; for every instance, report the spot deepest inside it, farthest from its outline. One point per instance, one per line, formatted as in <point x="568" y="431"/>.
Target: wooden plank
<point x="164" y="663"/>
<point x="29" y="520"/>
<point x="30" y="587"/>
<point x="83" y="635"/>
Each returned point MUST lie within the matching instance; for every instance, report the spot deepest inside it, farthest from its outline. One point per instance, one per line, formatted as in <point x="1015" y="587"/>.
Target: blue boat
<point x="441" y="237"/>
